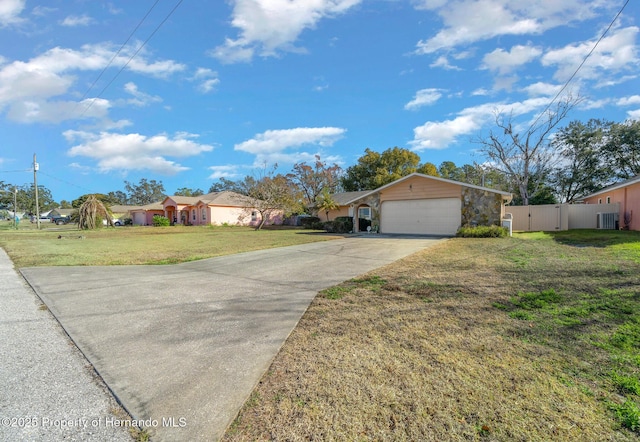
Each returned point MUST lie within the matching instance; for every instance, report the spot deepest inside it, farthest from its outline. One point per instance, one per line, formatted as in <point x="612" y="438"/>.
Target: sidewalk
<point x="48" y="390"/>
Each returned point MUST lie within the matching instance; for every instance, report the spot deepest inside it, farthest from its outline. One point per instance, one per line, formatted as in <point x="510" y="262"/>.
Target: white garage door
<point x="425" y="217"/>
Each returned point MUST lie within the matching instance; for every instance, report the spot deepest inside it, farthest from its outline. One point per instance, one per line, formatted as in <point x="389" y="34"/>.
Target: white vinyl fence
<point x="551" y="217"/>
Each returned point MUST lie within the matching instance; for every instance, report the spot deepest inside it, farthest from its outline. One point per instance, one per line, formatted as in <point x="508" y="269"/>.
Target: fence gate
<point x="549" y="217"/>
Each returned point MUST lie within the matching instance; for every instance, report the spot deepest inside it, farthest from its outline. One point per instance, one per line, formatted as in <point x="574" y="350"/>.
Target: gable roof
<point x="508" y="195"/>
<point x="224" y="198"/>
<point x="620" y="185"/>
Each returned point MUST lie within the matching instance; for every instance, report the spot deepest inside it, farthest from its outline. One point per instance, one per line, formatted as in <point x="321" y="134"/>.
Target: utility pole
<point x="15" y="207"/>
<point x="35" y="188"/>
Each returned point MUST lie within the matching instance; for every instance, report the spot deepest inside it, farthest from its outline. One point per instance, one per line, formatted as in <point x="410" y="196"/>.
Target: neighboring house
<point x="423" y="204"/>
<point x="215" y="208"/>
<point x="627" y="195"/>
<point x="143" y="215"/>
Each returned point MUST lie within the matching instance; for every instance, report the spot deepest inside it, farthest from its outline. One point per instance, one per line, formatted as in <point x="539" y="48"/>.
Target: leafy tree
<point x="374" y="169"/>
<point x="227" y="184"/>
<point x="622" y="148"/>
<point x="64" y="204"/>
<point x="314" y="180"/>
<point x="106" y="200"/>
<point x="326" y="203"/>
<point x="118" y="197"/>
<point x="582" y="169"/>
<point x="145" y="192"/>
<point x="450" y="171"/>
<point x="26" y="199"/>
<point x="526" y="156"/>
<point x="428" y="169"/>
<point x="185" y="191"/>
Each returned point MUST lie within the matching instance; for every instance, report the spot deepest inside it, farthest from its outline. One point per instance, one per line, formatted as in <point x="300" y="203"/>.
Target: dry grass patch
<point x="141" y="245"/>
<point x="427" y="349"/>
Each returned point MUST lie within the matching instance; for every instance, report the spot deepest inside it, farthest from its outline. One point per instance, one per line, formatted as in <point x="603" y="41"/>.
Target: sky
<point x="188" y="91"/>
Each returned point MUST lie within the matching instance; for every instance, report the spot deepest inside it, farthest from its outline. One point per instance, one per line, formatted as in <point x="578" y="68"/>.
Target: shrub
<point x="343" y="224"/>
<point x="308" y="222"/>
<point x="160" y="221"/>
<point x="483" y="232"/>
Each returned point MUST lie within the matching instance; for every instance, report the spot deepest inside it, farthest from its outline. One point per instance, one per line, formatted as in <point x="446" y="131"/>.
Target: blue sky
<point x="220" y="89"/>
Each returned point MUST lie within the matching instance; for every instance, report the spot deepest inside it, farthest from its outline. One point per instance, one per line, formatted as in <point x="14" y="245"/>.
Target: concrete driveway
<point x="182" y="346"/>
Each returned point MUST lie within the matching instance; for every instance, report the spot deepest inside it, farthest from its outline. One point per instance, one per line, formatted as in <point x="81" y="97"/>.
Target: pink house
<point x="215" y="208"/>
<point x="627" y="195"/>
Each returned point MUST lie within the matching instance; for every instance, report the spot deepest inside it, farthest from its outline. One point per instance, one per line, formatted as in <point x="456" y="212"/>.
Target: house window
<point x="364" y="212"/>
<point x="193" y="214"/>
<point x="254" y="216"/>
<point x="608" y="200"/>
<point x="599" y="200"/>
<point x="204" y="214"/>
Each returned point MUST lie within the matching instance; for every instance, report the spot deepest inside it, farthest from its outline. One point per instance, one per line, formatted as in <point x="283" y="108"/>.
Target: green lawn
<point x="139" y="245"/>
<point x="535" y="337"/>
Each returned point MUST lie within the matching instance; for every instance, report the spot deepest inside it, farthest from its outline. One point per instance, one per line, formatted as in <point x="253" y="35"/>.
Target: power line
<point x="580" y="66"/>
<point x="132" y="56"/>
<point x="119" y="50"/>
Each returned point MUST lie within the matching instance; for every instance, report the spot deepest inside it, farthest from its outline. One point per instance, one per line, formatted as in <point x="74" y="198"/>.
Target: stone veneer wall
<point x="480" y="208"/>
<point x="373" y="201"/>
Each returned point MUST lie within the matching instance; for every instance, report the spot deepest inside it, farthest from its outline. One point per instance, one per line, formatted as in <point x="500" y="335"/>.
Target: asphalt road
<point x="182" y="346"/>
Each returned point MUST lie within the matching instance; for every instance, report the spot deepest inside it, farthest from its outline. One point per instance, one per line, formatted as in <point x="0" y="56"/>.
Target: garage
<point x="441" y="216"/>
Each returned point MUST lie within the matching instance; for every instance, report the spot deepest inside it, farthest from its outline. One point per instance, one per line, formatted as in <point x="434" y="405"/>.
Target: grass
<point x="68" y="246"/>
<point x="535" y="337"/>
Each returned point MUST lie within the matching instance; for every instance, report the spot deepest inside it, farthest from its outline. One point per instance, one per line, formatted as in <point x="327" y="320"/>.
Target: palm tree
<point x="326" y="203"/>
<point x="92" y="210"/>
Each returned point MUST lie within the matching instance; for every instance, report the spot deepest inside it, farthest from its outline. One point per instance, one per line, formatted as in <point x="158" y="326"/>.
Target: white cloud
<point x="443" y="62"/>
<point x="133" y="151"/>
<point x="139" y="99"/>
<point x="41" y="11"/>
<point x="470" y="21"/>
<point x="76" y="20"/>
<point x="10" y="12"/>
<point x="629" y="101"/>
<point x="424" y="97"/>
<point x="37" y="82"/>
<point x="207" y="80"/>
<point x="506" y="62"/>
<point x="269" y="26"/>
<point x="542" y="89"/>
<point x="270" y="146"/>
<point x="634" y="114"/>
<point x="227" y="171"/>
<point x="440" y="134"/>
<point x="481" y="92"/>
<point x="614" y="53"/>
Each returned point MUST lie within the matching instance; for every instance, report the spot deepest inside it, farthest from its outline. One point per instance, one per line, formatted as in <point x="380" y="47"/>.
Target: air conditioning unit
<point x="607" y="220"/>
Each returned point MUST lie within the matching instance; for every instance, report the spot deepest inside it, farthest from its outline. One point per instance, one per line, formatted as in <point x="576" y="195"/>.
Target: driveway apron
<point x="182" y="346"/>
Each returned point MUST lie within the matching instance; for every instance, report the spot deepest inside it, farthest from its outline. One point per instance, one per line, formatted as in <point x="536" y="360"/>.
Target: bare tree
<point x="526" y="156"/>
<point x="269" y="194"/>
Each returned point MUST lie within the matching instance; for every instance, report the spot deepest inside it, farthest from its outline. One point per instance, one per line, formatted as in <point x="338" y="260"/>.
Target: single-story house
<point x="143" y="215"/>
<point x="216" y="208"/>
<point x="627" y="195"/>
<point x="423" y="204"/>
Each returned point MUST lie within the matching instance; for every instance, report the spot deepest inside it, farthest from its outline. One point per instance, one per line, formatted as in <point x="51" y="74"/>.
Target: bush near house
<point x="308" y="222"/>
<point x="342" y="224"/>
<point x="160" y="221"/>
